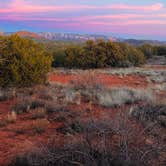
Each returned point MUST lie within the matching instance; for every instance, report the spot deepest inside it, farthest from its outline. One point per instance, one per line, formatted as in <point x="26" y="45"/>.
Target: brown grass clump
<point x="21" y="129"/>
<point x="40" y="125"/>
<point x="11" y="117"/>
<point x="3" y="123"/>
<point x="38" y="113"/>
<point x="86" y="79"/>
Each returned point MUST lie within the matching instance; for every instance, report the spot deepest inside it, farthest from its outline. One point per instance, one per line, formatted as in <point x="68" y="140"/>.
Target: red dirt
<point x="105" y="79"/>
<point x="12" y="143"/>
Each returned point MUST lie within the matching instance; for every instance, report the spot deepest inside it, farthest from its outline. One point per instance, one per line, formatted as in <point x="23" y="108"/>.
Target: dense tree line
<point x="161" y="50"/>
<point x="153" y="50"/>
<point x="98" y="54"/>
<point x="23" y="62"/>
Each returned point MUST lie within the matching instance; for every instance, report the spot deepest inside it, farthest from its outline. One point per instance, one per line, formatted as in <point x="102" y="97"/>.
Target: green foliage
<point x="59" y="57"/>
<point x="115" y="56"/>
<point x="132" y="55"/>
<point x="98" y="54"/>
<point x="94" y="54"/>
<point x="161" y="50"/>
<point x="73" y="56"/>
<point x="148" y="50"/>
<point x="22" y="62"/>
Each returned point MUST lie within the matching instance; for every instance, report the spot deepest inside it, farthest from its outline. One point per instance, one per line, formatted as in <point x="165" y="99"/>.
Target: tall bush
<point x="22" y="62"/>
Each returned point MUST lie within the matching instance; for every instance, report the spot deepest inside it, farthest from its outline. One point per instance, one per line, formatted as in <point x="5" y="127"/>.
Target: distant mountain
<point x="52" y="36"/>
<point x="140" y="42"/>
<point x="73" y="37"/>
<point x="1" y="33"/>
<point x="82" y="38"/>
<point x="27" y="34"/>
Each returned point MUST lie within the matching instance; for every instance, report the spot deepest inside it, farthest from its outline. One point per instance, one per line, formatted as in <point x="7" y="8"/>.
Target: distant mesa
<point x="1" y="33"/>
<point x="73" y="37"/>
<point x="27" y="34"/>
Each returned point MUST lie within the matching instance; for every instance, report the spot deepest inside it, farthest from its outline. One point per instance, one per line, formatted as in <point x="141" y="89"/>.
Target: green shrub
<point x="161" y="50"/>
<point x="22" y="62"/>
<point x="98" y="54"/>
<point x="59" y="58"/>
<point x="38" y="113"/>
<point x="132" y="55"/>
<point x="148" y="50"/>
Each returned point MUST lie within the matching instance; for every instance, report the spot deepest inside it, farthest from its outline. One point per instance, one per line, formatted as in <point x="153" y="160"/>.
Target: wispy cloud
<point x="20" y="6"/>
<point x="107" y="16"/>
<point x="154" y="7"/>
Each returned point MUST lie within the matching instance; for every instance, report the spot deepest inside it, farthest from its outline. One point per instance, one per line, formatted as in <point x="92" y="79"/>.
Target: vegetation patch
<point x="23" y="62"/>
<point x="39" y="126"/>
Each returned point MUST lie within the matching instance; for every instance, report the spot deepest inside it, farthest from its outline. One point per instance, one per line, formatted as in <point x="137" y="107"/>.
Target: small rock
<point x="149" y="141"/>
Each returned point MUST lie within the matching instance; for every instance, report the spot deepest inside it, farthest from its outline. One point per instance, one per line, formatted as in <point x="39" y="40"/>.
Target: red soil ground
<point x="104" y="79"/>
<point x="12" y="143"/>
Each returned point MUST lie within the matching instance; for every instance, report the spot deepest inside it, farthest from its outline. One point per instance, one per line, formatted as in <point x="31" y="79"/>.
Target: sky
<point x="144" y="19"/>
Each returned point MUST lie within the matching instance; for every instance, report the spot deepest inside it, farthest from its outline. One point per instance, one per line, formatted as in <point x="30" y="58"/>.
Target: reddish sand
<point x="105" y="79"/>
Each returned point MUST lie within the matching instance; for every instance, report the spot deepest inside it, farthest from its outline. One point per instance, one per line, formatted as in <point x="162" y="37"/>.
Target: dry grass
<point x="156" y="76"/>
<point x="7" y="94"/>
<point x="117" y="142"/>
<point x="38" y="113"/>
<point x="11" y="117"/>
<point x="40" y="126"/>
<point x="3" y="123"/>
<point x="120" y="96"/>
<point x="86" y="79"/>
<point x="22" y="129"/>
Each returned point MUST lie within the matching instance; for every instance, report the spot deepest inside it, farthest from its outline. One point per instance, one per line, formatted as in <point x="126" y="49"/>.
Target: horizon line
<point x="118" y="36"/>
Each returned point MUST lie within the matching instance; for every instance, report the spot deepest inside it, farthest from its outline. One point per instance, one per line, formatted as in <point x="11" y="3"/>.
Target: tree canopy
<point x="23" y="62"/>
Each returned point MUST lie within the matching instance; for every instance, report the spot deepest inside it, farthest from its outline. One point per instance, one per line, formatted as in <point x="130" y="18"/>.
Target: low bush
<point x="161" y="50"/>
<point x="7" y="94"/>
<point x="11" y="117"/>
<point x="39" y="126"/>
<point x="125" y="147"/>
<point x="3" y="123"/>
<point x="26" y="104"/>
<point x="19" y="130"/>
<point x="120" y="96"/>
<point x="71" y="128"/>
<point x="148" y="50"/>
<point x="150" y="113"/>
<point x="38" y="113"/>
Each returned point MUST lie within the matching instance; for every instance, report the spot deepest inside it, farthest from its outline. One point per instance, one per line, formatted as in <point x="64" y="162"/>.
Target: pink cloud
<point x="154" y="7"/>
<point x="20" y="6"/>
<point x="133" y="18"/>
<point x="128" y="29"/>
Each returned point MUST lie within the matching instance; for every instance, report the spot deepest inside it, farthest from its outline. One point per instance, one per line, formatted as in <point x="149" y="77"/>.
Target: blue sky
<point x="122" y="18"/>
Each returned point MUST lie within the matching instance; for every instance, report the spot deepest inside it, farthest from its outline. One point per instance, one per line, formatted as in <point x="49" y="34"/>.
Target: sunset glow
<point x="123" y="17"/>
